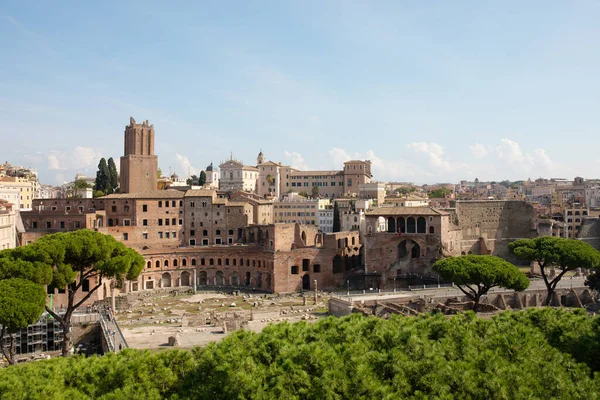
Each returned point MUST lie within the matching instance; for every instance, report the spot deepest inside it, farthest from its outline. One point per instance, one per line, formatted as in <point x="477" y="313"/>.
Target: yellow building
<point x="27" y="188"/>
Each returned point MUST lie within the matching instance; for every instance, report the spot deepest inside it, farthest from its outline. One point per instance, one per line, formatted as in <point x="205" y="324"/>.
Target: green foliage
<point x="79" y="256"/>
<point x="102" y="177"/>
<point x="539" y="353"/>
<point x="593" y="281"/>
<point x="21" y="303"/>
<point x="315" y="192"/>
<point x="475" y="275"/>
<point x="193" y="180"/>
<point x="202" y="178"/>
<point x="114" y="176"/>
<point x="439" y="193"/>
<point x="80" y="184"/>
<point x="337" y="224"/>
<point x="554" y="252"/>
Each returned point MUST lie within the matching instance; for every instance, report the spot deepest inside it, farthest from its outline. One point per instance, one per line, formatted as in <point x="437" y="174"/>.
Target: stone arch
<point x="353" y="240"/>
<point x="391" y="223"/>
<point x="235" y="280"/>
<point x="369" y="230"/>
<point x="421" y="225"/>
<point x="306" y="282"/>
<point x="184" y="262"/>
<point x="303" y="236"/>
<point x="401" y="225"/>
<point x="402" y="251"/>
<point x="416" y="251"/>
<point x="202" y="278"/>
<point x="193" y="261"/>
<point x="185" y="279"/>
<point x="148" y="264"/>
<point x="220" y="278"/>
<point x="431" y="229"/>
<point x="166" y="263"/>
<point x="338" y="264"/>
<point x="165" y="280"/>
<point x="248" y="279"/>
<point x="411" y="225"/>
<point x="100" y="222"/>
<point x="175" y="262"/>
<point x="157" y="263"/>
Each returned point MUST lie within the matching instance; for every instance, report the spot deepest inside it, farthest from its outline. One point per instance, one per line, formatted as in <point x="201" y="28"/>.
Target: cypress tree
<point x="102" y="176"/>
<point x="202" y="178"/>
<point x="114" y="175"/>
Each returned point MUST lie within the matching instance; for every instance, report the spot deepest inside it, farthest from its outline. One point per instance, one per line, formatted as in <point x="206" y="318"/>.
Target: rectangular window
<point x="77" y="224"/>
<point x="85" y="285"/>
<point x="166" y="203"/>
<point x="144" y="236"/>
<point x="144" y="208"/>
<point x="34" y="225"/>
<point x="144" y="222"/>
<point x="167" y="235"/>
<point x="181" y="222"/>
<point x="173" y="221"/>
<point x="126" y="222"/>
<point x="174" y="235"/>
<point x="160" y="222"/>
<point x="160" y="235"/>
<point x="48" y="225"/>
<point x="62" y="224"/>
<point x="192" y="233"/>
<point x="160" y="203"/>
<point x="192" y="204"/>
<point x="317" y="268"/>
<point x="294" y="269"/>
<point x="173" y="203"/>
<point x="167" y="221"/>
<point x="125" y="236"/>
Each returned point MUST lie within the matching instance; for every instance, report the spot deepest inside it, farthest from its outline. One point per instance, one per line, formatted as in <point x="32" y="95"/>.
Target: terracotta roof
<point x="200" y="193"/>
<point x="405" y="211"/>
<point x="149" y="194"/>
<point x="236" y="203"/>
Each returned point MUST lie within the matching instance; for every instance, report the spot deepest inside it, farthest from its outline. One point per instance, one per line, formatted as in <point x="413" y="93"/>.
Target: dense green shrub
<point x="539" y="353"/>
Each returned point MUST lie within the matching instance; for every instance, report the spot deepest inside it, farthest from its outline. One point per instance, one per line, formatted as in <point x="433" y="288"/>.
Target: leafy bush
<point x="539" y="353"/>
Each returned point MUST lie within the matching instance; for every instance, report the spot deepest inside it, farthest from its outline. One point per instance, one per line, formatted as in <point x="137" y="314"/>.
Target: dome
<point x="210" y="167"/>
<point x="174" y="177"/>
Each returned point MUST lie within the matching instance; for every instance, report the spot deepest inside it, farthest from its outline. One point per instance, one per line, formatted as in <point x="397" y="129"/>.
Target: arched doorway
<point x="421" y="225"/>
<point x="235" y="280"/>
<point x="411" y="225"/>
<point x="259" y="279"/>
<point x="431" y="229"/>
<point x="268" y="281"/>
<point x="401" y="225"/>
<point x="306" y="282"/>
<point x="248" y="278"/>
<point x="220" y="278"/>
<point x="416" y="251"/>
<point x="402" y="251"/>
<point x="185" y="278"/>
<point x="391" y="225"/>
<point x="202" y="278"/>
<point x="165" y="280"/>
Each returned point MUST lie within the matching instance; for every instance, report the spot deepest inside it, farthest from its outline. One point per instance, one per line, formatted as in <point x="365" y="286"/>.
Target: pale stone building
<point x="27" y="188"/>
<point x="8" y="225"/>
<point x="237" y="176"/>
<point x="212" y="177"/>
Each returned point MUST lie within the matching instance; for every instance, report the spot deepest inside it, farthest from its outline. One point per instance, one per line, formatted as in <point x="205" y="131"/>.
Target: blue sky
<point x="429" y="91"/>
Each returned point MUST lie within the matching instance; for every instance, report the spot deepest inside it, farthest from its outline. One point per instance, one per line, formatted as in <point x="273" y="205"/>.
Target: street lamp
<point x="394" y="284"/>
<point x="348" y="287"/>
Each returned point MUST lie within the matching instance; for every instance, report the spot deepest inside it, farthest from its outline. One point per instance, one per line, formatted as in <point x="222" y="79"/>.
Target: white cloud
<point x="511" y="152"/>
<point x="185" y="166"/>
<point x="296" y="160"/>
<point x="478" y="150"/>
<point x="338" y="157"/>
<point x="80" y="158"/>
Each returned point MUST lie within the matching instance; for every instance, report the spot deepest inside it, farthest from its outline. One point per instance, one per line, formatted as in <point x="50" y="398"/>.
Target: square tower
<point x="139" y="165"/>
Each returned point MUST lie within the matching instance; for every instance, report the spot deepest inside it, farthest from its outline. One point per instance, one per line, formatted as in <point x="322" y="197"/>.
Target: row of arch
<point x="219" y="278"/>
<point x="408" y="225"/>
<point x="210" y="261"/>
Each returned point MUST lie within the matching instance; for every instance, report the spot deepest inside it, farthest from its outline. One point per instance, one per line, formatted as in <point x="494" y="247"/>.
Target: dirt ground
<point x="152" y="321"/>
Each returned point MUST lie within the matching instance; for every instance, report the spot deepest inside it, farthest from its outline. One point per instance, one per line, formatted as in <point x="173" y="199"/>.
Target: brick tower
<point x="139" y="165"/>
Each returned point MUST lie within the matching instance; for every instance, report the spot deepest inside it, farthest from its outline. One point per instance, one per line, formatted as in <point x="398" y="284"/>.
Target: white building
<point x="8" y="229"/>
<point x="212" y="177"/>
<point x="11" y="195"/>
<point x="237" y="176"/>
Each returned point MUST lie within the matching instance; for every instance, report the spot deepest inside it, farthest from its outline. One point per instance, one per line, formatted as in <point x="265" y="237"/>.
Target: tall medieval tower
<point x="139" y="165"/>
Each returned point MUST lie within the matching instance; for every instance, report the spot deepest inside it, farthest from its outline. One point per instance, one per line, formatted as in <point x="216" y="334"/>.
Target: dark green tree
<point x="337" y="224"/>
<point x="551" y="252"/>
<point x="475" y="275"/>
<point x="202" y="178"/>
<point x="593" y="281"/>
<point x="439" y="193"/>
<point x="193" y="180"/>
<point x="80" y="184"/>
<point x="22" y="294"/>
<point x="315" y="192"/>
<point x="114" y="176"/>
<point x="102" y="177"/>
<point x="84" y="257"/>
<point x="22" y="302"/>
